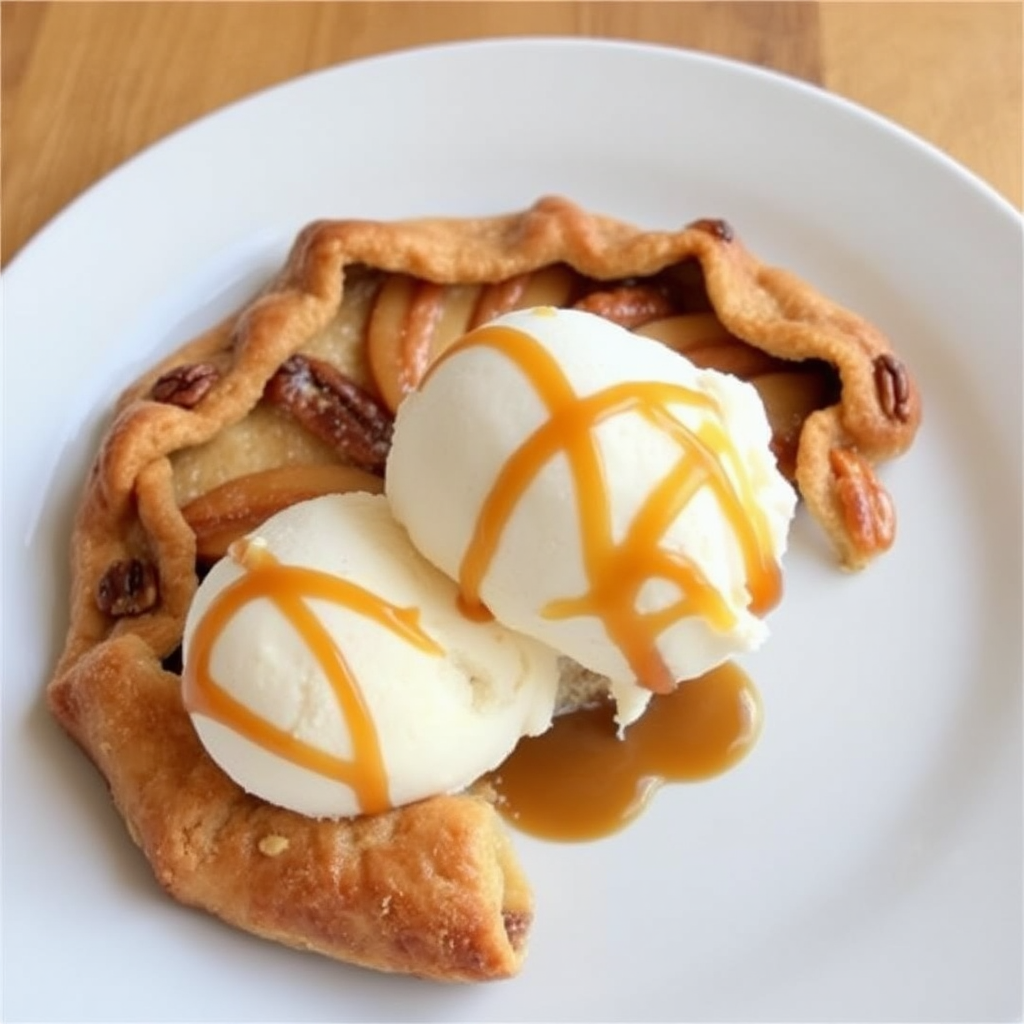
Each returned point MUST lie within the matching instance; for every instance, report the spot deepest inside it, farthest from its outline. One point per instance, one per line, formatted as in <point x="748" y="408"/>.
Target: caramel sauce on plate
<point x="580" y="781"/>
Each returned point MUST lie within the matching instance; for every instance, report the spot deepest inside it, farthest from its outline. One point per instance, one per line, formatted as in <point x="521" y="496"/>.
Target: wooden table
<point x="87" y="85"/>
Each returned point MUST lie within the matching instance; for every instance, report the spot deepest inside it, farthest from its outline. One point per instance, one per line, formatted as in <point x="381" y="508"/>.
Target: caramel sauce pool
<point x="580" y="781"/>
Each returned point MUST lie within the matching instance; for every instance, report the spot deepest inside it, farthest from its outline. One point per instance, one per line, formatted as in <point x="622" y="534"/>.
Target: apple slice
<point x="688" y="331"/>
<point x="703" y="339"/>
<point x="737" y="358"/>
<point x="548" y="286"/>
<point x="385" y="336"/>
<point x="411" y="324"/>
<point x="459" y="303"/>
<point x="235" y="508"/>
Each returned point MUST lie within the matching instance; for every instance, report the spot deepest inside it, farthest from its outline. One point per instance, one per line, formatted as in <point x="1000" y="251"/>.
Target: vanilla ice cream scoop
<point x="329" y="670"/>
<point x="596" y="491"/>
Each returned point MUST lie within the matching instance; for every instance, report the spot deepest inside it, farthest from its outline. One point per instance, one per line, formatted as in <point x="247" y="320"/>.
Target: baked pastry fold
<point x="431" y="889"/>
<point x="287" y="383"/>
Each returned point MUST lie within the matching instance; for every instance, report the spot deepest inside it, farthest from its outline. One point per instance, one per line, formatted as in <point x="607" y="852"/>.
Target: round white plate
<point x="864" y="862"/>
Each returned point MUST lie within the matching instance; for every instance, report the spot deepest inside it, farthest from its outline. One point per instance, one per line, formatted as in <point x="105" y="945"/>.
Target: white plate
<point x="864" y="863"/>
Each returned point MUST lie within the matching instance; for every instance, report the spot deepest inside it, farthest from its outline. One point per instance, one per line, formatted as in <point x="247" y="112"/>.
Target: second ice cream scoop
<point x="596" y="491"/>
<point x="329" y="670"/>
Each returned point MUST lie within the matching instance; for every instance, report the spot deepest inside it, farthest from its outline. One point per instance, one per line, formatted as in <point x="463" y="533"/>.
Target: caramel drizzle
<point x="617" y="572"/>
<point x="288" y="587"/>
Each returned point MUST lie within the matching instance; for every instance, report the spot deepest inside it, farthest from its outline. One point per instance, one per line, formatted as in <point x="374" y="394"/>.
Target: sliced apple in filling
<point x="237" y="507"/>
<point x="413" y="322"/>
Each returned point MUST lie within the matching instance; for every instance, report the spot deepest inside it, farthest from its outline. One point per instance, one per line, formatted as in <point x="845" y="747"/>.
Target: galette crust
<point x="432" y="889"/>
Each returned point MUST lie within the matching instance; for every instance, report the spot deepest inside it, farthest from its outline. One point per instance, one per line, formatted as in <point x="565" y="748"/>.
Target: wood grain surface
<point x="88" y="85"/>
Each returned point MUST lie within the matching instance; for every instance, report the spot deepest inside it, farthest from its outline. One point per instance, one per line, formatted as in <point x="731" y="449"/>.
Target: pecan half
<point x="629" y="306"/>
<point x="186" y="385"/>
<point x="128" y="587"/>
<point x="329" y="405"/>
<point x="868" y="512"/>
<point x="721" y="229"/>
<point x="893" y="386"/>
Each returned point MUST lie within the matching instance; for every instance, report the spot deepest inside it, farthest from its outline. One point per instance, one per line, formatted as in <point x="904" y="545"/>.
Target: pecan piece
<point x="128" y="587"/>
<point x="721" y="229"/>
<point x="867" y="510"/>
<point x="629" y="306"/>
<point x="329" y="405"/>
<point x="893" y="386"/>
<point x="186" y="385"/>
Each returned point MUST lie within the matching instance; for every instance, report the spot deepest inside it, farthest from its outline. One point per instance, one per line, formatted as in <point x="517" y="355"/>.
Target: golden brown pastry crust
<point x="432" y="889"/>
